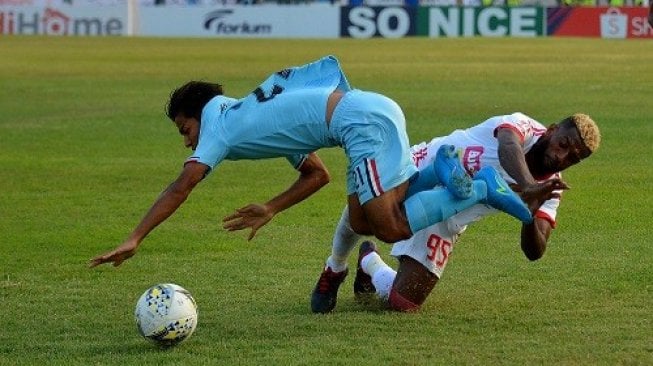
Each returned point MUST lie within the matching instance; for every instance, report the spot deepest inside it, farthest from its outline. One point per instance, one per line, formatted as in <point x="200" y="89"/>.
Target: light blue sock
<point x="428" y="207"/>
<point x="423" y="180"/>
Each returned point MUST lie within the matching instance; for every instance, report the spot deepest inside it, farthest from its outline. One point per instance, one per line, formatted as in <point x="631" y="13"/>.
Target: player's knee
<point x="360" y="227"/>
<point x="391" y="233"/>
<point x="386" y="231"/>
<point x="399" y="303"/>
<point x="383" y="233"/>
<point x="533" y="252"/>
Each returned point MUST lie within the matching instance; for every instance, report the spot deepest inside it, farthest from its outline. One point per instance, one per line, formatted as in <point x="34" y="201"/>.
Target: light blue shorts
<point x="372" y="130"/>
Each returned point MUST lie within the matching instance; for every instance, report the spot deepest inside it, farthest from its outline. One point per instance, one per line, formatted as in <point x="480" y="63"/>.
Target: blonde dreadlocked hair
<point x="588" y="130"/>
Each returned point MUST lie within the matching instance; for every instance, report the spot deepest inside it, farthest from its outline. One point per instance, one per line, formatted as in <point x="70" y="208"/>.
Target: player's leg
<point x="435" y="205"/>
<point x="372" y="129"/>
<point x="325" y="293"/>
<point x="383" y="216"/>
<point x="412" y="285"/>
<point x="379" y="176"/>
<point x="500" y="196"/>
<point x="447" y="170"/>
<point x="391" y="220"/>
<point x="431" y="206"/>
<point x="357" y="219"/>
<point x="363" y="286"/>
<point x="343" y="243"/>
<point x="403" y="290"/>
<point x="377" y="205"/>
<point x="422" y="260"/>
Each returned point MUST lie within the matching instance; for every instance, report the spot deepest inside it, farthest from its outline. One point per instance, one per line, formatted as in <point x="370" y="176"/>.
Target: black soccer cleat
<point x="325" y="294"/>
<point x="363" y="286"/>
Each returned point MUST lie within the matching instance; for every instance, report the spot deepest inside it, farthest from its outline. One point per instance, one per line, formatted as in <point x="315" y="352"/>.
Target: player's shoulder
<point x="217" y="105"/>
<point x="519" y="122"/>
<point x="525" y="119"/>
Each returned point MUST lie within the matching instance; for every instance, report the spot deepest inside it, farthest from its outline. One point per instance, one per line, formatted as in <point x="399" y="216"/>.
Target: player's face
<point x="562" y="147"/>
<point x="189" y="128"/>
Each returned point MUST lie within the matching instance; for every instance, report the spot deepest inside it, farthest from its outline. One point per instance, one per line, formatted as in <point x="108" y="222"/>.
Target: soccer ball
<point x="166" y="314"/>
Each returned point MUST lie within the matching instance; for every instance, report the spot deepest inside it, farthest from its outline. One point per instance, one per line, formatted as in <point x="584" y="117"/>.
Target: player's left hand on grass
<point x="251" y="216"/>
<point x="116" y="256"/>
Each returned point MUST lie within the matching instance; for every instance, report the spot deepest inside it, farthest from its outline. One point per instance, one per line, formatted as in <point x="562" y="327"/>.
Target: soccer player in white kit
<point x="517" y="146"/>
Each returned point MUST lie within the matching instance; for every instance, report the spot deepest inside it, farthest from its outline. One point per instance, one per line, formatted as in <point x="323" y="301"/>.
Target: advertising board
<point x="264" y="21"/>
<point x="614" y="23"/>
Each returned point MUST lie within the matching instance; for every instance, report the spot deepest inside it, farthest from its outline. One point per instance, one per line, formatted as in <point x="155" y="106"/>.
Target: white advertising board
<point x="261" y="21"/>
<point x="63" y="20"/>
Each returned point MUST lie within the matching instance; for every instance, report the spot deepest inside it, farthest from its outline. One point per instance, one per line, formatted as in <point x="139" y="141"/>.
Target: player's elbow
<point x="391" y="232"/>
<point x="533" y="251"/>
<point x="317" y="178"/>
<point x="323" y="178"/>
<point x="533" y="256"/>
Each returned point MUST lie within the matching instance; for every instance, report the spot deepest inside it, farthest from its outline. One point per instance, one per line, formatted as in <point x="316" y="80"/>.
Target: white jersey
<point x="477" y="147"/>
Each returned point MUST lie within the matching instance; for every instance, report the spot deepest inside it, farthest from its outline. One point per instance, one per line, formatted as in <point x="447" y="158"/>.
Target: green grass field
<point x="85" y="148"/>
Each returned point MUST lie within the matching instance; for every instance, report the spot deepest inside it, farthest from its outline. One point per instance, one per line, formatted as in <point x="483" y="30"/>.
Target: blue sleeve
<point x="297" y="160"/>
<point x="209" y="151"/>
<point x="211" y="147"/>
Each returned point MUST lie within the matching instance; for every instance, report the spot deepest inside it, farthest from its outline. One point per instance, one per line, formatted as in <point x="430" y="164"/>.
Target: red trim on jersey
<point x="510" y="127"/>
<point x="538" y="131"/>
<point x="544" y="216"/>
<point x="419" y="155"/>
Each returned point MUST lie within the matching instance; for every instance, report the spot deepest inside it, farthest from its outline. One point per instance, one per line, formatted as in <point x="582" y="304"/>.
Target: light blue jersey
<point x="283" y="117"/>
<point x="286" y="117"/>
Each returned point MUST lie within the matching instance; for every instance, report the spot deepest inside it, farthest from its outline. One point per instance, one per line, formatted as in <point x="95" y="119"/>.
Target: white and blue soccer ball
<point x="166" y="314"/>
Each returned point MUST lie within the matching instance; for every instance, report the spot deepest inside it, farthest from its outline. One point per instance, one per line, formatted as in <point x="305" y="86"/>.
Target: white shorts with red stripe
<point x="433" y="245"/>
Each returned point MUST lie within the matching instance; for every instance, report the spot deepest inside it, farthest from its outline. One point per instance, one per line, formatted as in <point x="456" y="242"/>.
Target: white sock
<point x="383" y="280"/>
<point x="371" y="263"/>
<point x="344" y="241"/>
<point x="382" y="275"/>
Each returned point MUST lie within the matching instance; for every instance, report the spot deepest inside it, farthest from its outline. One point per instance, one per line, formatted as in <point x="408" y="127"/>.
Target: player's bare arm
<point x="512" y="159"/>
<point x="534" y="238"/>
<point x="165" y="205"/>
<point x="313" y="175"/>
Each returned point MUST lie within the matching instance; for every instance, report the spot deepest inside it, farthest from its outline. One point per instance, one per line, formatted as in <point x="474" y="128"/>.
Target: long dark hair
<point x="191" y="98"/>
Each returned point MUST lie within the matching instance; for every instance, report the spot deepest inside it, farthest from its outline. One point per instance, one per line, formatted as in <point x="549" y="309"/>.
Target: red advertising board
<point x="599" y="22"/>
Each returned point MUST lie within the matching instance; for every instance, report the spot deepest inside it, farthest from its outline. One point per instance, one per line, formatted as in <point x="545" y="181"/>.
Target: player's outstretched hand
<point x="535" y="194"/>
<point x="116" y="256"/>
<point x="251" y="216"/>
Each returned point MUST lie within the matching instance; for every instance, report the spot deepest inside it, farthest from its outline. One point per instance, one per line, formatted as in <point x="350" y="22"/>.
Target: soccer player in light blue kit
<point x="292" y="114"/>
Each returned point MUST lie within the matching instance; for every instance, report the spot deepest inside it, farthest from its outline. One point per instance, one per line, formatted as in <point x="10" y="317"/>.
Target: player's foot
<point x="501" y="197"/>
<point x="363" y="286"/>
<point x="451" y="172"/>
<point x="325" y="294"/>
